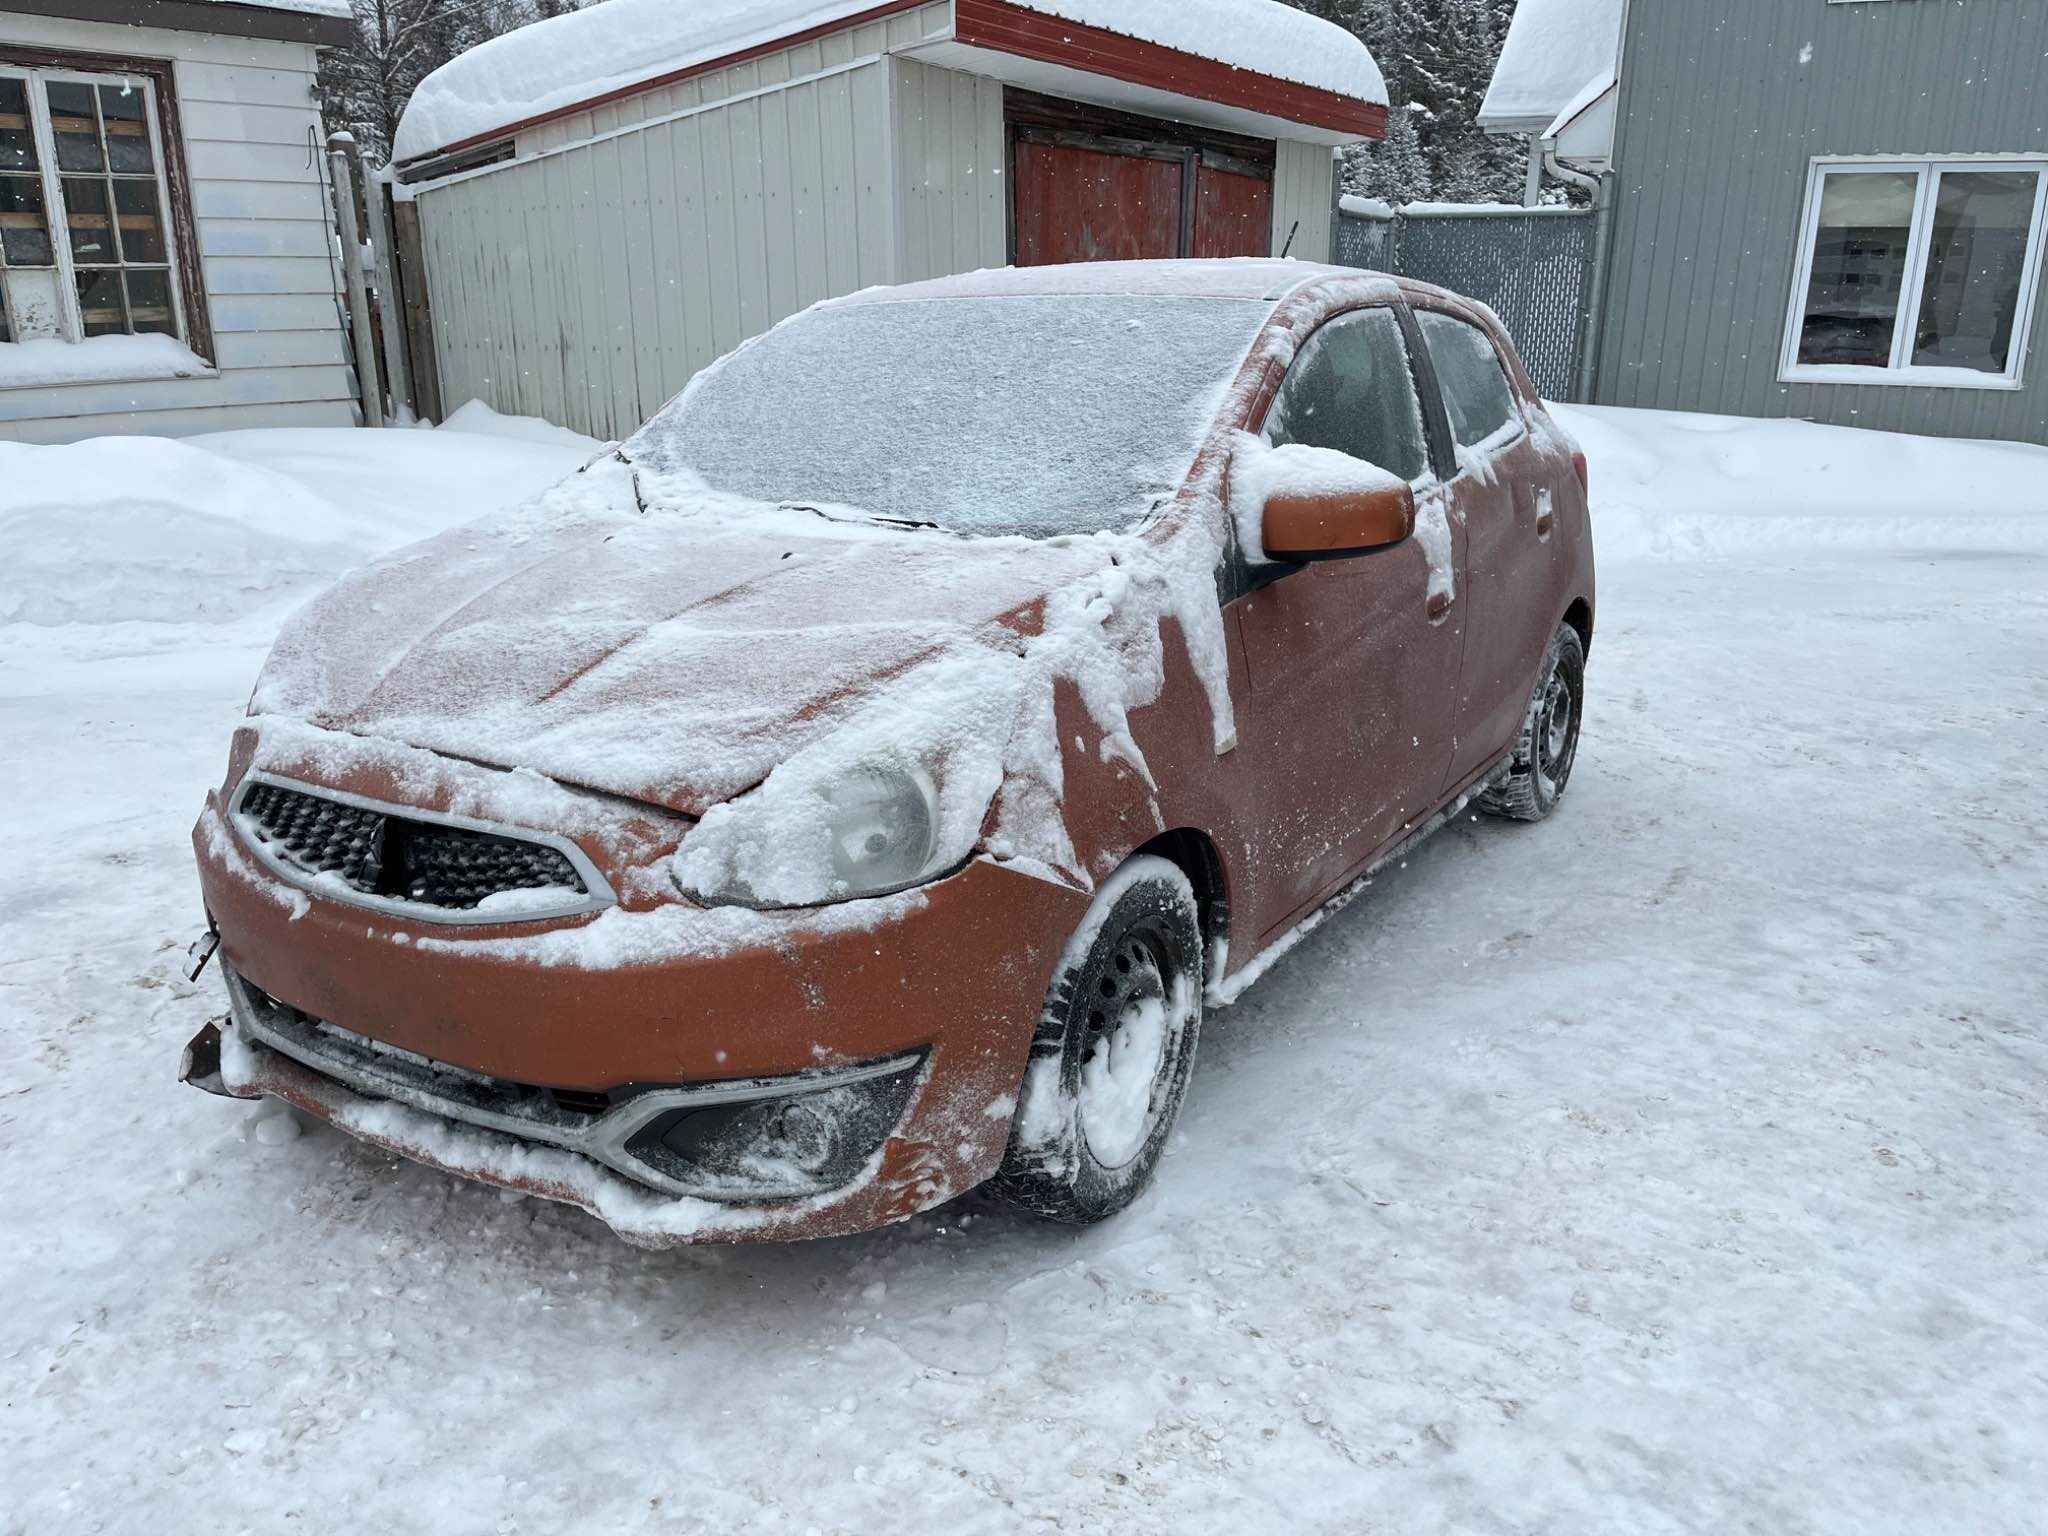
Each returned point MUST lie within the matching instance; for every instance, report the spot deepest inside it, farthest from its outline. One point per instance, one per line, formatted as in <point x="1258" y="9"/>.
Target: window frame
<point x="1420" y="382"/>
<point x="38" y="67"/>
<point x="1902" y="372"/>
<point x="1502" y="438"/>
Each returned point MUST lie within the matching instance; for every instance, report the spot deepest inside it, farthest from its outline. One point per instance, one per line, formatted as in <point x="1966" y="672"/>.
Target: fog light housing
<point x="783" y="1147"/>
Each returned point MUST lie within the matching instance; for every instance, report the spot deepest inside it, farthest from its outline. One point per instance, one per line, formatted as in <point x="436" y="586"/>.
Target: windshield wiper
<point x="916" y="525"/>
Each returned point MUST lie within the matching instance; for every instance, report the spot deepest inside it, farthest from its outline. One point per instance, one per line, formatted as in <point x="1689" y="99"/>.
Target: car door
<point x="1495" y="495"/>
<point x="1353" y="664"/>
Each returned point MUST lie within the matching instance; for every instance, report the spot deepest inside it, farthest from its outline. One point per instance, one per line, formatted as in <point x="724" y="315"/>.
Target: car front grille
<point x="321" y="837"/>
<point x="381" y="854"/>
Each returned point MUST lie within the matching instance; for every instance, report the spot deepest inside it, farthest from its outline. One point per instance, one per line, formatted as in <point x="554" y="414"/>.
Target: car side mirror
<point x="1316" y="504"/>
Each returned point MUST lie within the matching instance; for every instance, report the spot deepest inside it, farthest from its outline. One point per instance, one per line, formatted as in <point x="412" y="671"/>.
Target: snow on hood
<point x="675" y="656"/>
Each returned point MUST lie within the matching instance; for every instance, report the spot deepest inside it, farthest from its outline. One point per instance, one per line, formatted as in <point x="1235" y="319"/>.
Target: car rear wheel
<point x="1549" y="744"/>
<point x="1113" y="1053"/>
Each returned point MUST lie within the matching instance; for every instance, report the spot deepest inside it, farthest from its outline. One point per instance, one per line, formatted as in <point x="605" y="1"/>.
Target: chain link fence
<point x="1533" y="266"/>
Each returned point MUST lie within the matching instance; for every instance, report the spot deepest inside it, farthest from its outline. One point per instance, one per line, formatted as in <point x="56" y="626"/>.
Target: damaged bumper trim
<point x="452" y="1094"/>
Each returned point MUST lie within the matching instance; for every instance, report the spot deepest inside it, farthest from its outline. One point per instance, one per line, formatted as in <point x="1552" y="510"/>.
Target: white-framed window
<point x="88" y="241"/>
<point x="1917" y="272"/>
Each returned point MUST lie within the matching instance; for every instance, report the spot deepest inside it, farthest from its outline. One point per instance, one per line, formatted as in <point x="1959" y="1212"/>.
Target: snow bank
<point x="1554" y="48"/>
<point x="481" y="420"/>
<point x="220" y="527"/>
<point x="130" y="528"/>
<point x="559" y="63"/>
<point x="1672" y="485"/>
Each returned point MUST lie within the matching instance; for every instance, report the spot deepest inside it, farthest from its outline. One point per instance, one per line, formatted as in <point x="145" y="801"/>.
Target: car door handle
<point x="1439" y="606"/>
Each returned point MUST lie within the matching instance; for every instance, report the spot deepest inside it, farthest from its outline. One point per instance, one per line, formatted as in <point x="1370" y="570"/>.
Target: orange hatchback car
<point x="852" y="789"/>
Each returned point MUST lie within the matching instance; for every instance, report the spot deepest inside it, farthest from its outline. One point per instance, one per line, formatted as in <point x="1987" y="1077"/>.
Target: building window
<point x="89" y="234"/>
<point x="1918" y="272"/>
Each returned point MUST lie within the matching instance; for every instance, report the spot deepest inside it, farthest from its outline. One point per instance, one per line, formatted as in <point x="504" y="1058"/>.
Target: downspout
<point x="1603" y="215"/>
<point x="1601" y="188"/>
<point x="1564" y="172"/>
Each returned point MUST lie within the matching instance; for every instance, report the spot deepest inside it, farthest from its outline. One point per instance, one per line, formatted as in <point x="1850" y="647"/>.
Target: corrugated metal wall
<point x="587" y="286"/>
<point x="950" y="159"/>
<point x="1723" y="108"/>
<point x="1304" y="191"/>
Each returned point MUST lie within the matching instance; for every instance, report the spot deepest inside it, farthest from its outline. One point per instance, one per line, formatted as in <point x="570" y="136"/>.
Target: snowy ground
<point x="1673" y="1166"/>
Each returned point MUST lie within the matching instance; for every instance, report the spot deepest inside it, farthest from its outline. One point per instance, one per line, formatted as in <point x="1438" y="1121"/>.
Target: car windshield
<point x="1037" y="416"/>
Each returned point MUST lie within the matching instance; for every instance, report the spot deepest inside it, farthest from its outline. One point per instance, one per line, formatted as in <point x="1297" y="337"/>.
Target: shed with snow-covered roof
<point x="609" y="200"/>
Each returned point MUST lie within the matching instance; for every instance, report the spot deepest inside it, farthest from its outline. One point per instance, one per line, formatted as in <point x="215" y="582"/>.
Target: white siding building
<point x="165" y="259"/>
<point x="610" y="200"/>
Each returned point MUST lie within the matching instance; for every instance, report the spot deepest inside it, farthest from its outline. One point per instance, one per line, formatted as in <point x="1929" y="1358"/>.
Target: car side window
<point x="1352" y="390"/>
<point x="1475" y="387"/>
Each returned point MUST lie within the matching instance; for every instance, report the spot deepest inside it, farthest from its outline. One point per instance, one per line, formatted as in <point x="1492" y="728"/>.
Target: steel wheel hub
<point x="1556" y="726"/>
<point x="1129" y="1043"/>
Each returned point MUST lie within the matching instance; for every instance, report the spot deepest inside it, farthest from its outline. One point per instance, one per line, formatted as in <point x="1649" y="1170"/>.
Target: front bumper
<point x="226" y="1058"/>
<point x="654" y="991"/>
<point x="621" y="1136"/>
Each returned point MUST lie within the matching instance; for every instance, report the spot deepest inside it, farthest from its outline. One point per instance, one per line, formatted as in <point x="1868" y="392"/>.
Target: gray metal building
<point x="1833" y="209"/>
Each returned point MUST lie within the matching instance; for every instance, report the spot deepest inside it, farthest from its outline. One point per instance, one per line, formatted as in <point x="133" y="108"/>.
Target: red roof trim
<point x="673" y="77"/>
<point x="1006" y="28"/>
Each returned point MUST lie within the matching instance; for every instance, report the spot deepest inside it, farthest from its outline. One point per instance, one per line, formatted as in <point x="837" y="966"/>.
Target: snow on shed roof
<point x="341" y="8"/>
<point x="567" y="61"/>
<point x="1555" y="49"/>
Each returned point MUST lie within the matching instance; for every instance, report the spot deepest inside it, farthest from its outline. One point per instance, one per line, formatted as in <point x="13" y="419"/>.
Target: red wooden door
<point x="1077" y="203"/>
<point x="1233" y="213"/>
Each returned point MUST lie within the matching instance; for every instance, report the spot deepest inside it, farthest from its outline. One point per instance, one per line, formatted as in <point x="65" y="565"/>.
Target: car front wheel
<point x="1535" y="781"/>
<point x="1114" y="1049"/>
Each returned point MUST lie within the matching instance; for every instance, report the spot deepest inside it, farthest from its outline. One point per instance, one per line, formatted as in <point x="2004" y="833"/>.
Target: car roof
<point x="1261" y="279"/>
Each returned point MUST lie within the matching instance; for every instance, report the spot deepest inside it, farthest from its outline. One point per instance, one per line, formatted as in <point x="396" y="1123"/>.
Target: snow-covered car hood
<point x="674" y="655"/>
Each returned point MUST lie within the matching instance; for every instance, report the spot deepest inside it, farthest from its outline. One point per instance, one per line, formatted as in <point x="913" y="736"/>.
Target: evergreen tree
<point x="1438" y="57"/>
<point x="364" y="87"/>
<point x="1394" y="171"/>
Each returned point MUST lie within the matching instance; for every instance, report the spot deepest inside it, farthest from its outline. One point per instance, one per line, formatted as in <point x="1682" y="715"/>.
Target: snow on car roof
<point x="1249" y="277"/>
<point x="561" y="63"/>
<point x="1553" y="51"/>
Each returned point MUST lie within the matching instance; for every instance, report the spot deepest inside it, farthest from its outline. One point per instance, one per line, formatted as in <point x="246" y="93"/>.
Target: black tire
<point x="1542" y="768"/>
<point x="1140" y="947"/>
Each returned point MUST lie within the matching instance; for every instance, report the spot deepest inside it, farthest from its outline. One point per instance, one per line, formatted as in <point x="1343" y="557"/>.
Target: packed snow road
<point x="1672" y="1166"/>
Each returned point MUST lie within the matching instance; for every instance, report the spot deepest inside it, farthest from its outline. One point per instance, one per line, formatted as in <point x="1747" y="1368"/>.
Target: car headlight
<point x="870" y="831"/>
<point x="882" y="829"/>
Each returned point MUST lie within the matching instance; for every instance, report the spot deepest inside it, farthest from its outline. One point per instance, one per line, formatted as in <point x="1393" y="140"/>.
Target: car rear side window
<point x="1351" y="390"/>
<point x="1475" y="387"/>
